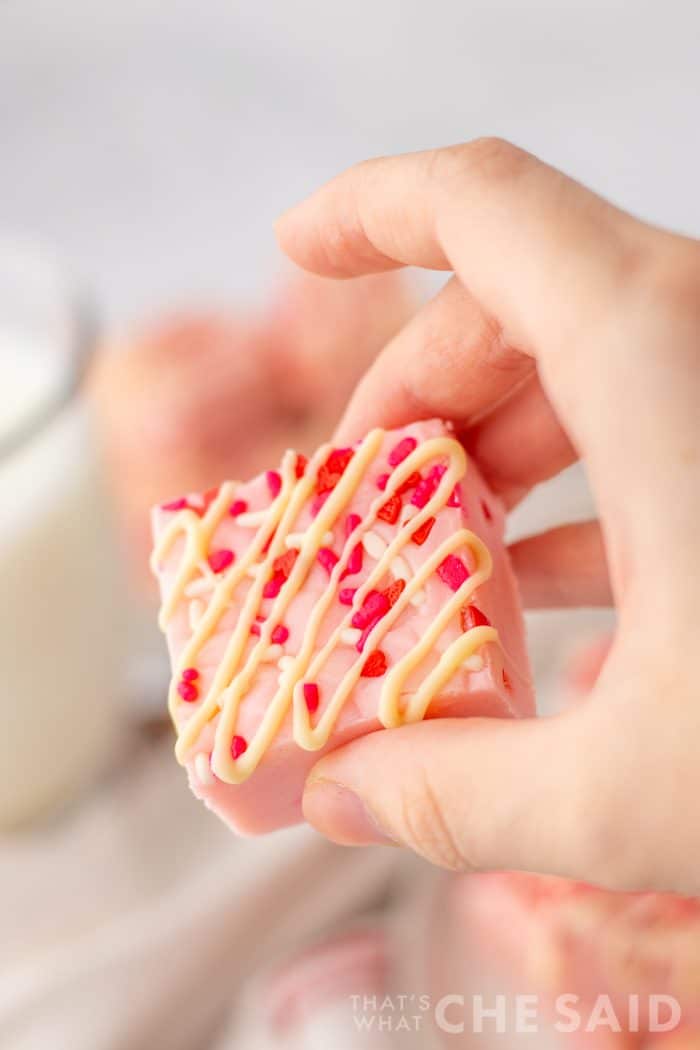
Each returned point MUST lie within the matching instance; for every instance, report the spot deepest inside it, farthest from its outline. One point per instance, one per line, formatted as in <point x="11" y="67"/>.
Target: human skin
<point x="568" y="330"/>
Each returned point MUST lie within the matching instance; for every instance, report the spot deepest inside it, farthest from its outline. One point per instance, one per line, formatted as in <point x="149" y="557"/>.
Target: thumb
<point x="466" y="794"/>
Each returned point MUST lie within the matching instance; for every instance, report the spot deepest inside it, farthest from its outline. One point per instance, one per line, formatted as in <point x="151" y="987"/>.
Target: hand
<point x="568" y="329"/>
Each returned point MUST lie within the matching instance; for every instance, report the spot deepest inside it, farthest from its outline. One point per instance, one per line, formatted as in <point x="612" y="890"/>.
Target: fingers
<point x="533" y="247"/>
<point x="520" y="443"/>
<point x="466" y="794"/>
<point x="450" y="361"/>
<point x="563" y="567"/>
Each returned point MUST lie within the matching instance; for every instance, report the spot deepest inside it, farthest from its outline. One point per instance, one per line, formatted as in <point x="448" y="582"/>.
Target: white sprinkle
<point x="419" y="598"/>
<point x="374" y="544"/>
<point x="195" y="499"/>
<point x="407" y="512"/>
<point x="272" y="654"/>
<point x="285" y="662"/>
<point x="400" y="568"/>
<point x="195" y="611"/>
<point x="474" y="663"/>
<point x="295" y="540"/>
<point x="203" y="769"/>
<point x="350" y="635"/>
<point x="199" y="586"/>
<point x="251" y="519"/>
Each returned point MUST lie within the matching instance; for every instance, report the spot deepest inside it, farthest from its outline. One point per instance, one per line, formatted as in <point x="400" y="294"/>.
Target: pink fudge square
<point x="324" y="600"/>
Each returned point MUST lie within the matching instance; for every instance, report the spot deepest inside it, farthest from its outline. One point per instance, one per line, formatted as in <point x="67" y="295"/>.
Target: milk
<point x="60" y="628"/>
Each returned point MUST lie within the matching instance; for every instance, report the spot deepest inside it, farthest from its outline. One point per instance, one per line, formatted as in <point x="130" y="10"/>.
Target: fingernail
<point x="341" y="816"/>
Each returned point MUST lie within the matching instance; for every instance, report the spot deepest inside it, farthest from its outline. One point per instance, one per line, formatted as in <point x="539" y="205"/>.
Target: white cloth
<point x="135" y="920"/>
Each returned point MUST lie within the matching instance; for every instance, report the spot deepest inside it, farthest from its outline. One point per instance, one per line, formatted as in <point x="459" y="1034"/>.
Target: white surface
<point x="154" y="142"/>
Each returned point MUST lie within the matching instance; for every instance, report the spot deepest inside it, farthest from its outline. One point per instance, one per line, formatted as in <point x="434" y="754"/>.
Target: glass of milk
<point x="60" y="624"/>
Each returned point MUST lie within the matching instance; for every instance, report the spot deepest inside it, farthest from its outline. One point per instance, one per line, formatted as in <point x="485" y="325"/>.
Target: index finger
<point x="532" y="246"/>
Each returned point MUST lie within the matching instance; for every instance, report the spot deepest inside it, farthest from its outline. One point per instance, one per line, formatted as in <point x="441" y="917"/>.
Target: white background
<point x="154" y="141"/>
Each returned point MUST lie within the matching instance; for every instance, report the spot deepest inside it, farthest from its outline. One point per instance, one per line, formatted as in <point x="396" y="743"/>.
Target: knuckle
<point x="672" y="275"/>
<point x="490" y="158"/>
<point x="495" y="159"/>
<point x="426" y="826"/>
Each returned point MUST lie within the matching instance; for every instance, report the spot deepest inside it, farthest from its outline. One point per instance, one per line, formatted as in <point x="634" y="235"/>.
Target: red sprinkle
<point x="328" y="559"/>
<point x="188" y="692"/>
<point x="393" y="592"/>
<point x="274" y="482"/>
<point x="175" y="504"/>
<point x="411" y="481"/>
<point x="423" y="531"/>
<point x="506" y="680"/>
<point x="285" y="562"/>
<point x="273" y="585"/>
<point x="311" y="696"/>
<point x="346" y="595"/>
<point x="339" y="459"/>
<point x="470" y="616"/>
<point x="220" y="560"/>
<point x="453" y="572"/>
<point x="486" y="510"/>
<point x="333" y="469"/>
<point x="190" y="674"/>
<point x="239" y="744"/>
<point x="300" y="465"/>
<point x="354" y="561"/>
<point x="351" y="523"/>
<point x="374" y="665"/>
<point x="239" y="506"/>
<point x="382" y="481"/>
<point x="399" y="452"/>
<point x="255" y="629"/>
<point x="280" y="634"/>
<point x="390" y="510"/>
<point x="373" y="608"/>
<point x="455" y="499"/>
<point x="425" y="489"/>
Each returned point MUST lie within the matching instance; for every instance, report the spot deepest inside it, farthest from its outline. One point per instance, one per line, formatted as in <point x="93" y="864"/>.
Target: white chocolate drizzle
<point x="235" y="675"/>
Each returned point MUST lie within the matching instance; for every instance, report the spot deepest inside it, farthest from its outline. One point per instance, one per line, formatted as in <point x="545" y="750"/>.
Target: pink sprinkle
<point x="274" y="482"/>
<point x="351" y="523"/>
<point x="346" y="595"/>
<point x="239" y="506"/>
<point x="280" y="634"/>
<point x="328" y="559"/>
<point x="311" y="696"/>
<point x="188" y="692"/>
<point x="190" y="674"/>
<point x="455" y="499"/>
<point x="382" y="481"/>
<point x="375" y="605"/>
<point x="175" y="504"/>
<point x="354" y="561"/>
<point x="399" y="453"/>
<point x="453" y="572"/>
<point x="425" y="489"/>
<point x="239" y="744"/>
<point x="220" y="560"/>
<point x="274" y="585"/>
<point x="255" y="629"/>
<point x="318" y="501"/>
